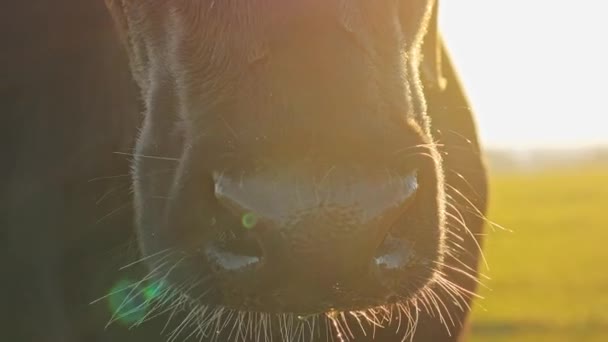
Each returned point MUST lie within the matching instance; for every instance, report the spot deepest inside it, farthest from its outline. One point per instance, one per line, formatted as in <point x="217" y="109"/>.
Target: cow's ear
<point x="432" y="55"/>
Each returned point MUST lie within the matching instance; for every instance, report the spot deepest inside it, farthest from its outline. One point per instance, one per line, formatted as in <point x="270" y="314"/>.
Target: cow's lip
<point x="337" y="299"/>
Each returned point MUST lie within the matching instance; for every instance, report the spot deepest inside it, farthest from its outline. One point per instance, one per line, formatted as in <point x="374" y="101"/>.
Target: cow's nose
<point x="334" y="226"/>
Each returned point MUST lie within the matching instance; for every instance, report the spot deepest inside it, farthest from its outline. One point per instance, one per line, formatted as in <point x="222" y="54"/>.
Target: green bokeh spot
<point x="249" y="220"/>
<point x="128" y="302"/>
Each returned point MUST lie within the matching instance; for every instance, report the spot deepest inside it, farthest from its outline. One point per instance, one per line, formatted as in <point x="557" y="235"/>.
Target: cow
<point x="235" y="170"/>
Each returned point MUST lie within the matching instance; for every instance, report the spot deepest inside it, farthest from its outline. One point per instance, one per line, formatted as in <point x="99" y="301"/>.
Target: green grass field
<point x="549" y="276"/>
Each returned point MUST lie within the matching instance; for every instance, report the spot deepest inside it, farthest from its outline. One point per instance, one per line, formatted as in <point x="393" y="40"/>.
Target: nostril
<point x="234" y="249"/>
<point x="393" y="253"/>
<point x="236" y="246"/>
<point x="409" y="185"/>
<point x="241" y="242"/>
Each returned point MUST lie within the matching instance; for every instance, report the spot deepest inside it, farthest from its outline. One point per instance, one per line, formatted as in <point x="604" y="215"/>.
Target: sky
<point x="536" y="71"/>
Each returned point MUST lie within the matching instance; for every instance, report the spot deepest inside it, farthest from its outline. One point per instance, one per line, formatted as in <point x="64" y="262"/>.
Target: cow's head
<point x="285" y="163"/>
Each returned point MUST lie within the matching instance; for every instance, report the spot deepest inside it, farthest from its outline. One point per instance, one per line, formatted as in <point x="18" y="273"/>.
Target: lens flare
<point x="249" y="220"/>
<point x="130" y="301"/>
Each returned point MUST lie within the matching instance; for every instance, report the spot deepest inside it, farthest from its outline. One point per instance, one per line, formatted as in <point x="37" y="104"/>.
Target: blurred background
<point x="536" y="73"/>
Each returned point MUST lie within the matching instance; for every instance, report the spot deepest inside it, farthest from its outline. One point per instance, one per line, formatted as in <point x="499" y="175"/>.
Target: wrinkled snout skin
<point x="287" y="160"/>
